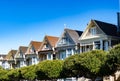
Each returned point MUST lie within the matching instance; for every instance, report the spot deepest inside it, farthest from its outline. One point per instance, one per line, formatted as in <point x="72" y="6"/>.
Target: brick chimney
<point x="118" y="22"/>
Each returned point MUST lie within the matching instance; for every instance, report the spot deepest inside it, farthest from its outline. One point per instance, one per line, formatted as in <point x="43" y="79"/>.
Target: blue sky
<point x="24" y="20"/>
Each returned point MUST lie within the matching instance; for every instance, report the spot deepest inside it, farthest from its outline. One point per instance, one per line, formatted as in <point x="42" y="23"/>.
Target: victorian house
<point x="10" y="59"/>
<point x="99" y="35"/>
<point x="3" y="61"/>
<point x="47" y="48"/>
<point x="68" y="43"/>
<point x="20" y="60"/>
<point x="31" y="54"/>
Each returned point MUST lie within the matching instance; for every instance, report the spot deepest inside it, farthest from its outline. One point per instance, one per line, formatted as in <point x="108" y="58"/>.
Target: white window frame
<point x="93" y="31"/>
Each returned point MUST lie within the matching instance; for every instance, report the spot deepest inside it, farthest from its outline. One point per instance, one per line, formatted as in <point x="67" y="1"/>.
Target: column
<point x="93" y="45"/>
<point x="85" y="48"/>
<point x="110" y="44"/>
<point x="101" y="44"/>
<point x="106" y="45"/>
<point x="80" y="49"/>
<point x="72" y="51"/>
<point x="66" y="52"/>
<point x="51" y="56"/>
<point x="47" y="56"/>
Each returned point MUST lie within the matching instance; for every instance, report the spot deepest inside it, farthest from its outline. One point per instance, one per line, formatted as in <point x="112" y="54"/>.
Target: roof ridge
<point x="50" y="36"/>
<point x="35" y="41"/>
<point x="103" y="22"/>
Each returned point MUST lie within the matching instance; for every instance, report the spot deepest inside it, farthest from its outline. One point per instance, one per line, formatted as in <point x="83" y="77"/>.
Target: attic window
<point x="46" y="45"/>
<point x="93" y="31"/>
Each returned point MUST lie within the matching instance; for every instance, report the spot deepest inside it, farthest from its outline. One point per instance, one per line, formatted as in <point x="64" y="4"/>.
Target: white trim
<point x="101" y="44"/>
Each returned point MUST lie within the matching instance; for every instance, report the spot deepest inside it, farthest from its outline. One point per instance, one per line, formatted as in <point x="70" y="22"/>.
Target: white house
<point x="20" y="60"/>
<point x="31" y="54"/>
<point x="99" y="35"/>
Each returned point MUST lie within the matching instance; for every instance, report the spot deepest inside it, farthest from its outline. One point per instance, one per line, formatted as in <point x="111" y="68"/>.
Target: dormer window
<point x="93" y="31"/>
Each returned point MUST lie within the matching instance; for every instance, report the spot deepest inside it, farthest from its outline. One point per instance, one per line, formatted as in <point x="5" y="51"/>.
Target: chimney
<point x="118" y="22"/>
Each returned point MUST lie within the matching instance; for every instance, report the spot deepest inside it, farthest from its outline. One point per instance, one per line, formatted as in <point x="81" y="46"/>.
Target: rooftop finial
<point x="65" y="26"/>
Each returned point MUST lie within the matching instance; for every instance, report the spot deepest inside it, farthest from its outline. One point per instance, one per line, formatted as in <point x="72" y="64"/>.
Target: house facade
<point x="3" y="62"/>
<point x="99" y="35"/>
<point x="31" y="54"/>
<point x="47" y="48"/>
<point x="68" y="43"/>
<point x="10" y="59"/>
<point x="20" y="60"/>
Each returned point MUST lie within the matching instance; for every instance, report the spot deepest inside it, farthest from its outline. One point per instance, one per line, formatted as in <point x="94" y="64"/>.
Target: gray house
<point x="68" y="43"/>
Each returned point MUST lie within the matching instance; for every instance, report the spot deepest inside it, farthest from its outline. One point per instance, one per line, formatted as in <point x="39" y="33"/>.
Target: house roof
<point x="22" y="49"/>
<point x="2" y="56"/>
<point x="52" y="40"/>
<point x="74" y="34"/>
<point x="35" y="44"/>
<point x="107" y="28"/>
<point x="11" y="54"/>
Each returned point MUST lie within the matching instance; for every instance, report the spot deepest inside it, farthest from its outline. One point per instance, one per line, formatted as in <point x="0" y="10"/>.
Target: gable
<point x="45" y="45"/>
<point x="65" y="39"/>
<point x="92" y="31"/>
<point x="30" y="50"/>
<point x="21" y="51"/>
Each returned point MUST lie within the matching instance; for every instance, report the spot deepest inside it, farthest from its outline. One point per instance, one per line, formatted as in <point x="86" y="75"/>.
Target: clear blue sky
<point x="24" y="20"/>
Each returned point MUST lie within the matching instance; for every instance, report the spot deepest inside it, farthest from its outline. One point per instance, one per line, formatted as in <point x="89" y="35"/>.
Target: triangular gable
<point x="65" y="39"/>
<point x="48" y="43"/>
<point x="21" y="51"/>
<point x="33" y="47"/>
<point x="11" y="54"/>
<point x="87" y="32"/>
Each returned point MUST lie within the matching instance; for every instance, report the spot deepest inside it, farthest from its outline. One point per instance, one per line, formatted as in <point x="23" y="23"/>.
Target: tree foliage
<point x="3" y="75"/>
<point x="28" y="72"/>
<point x="113" y="61"/>
<point x="50" y="69"/>
<point x="93" y="61"/>
<point x="88" y="64"/>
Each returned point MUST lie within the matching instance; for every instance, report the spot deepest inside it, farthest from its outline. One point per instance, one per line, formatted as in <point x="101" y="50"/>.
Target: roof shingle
<point x="107" y="28"/>
<point x="74" y="34"/>
<point x="11" y="54"/>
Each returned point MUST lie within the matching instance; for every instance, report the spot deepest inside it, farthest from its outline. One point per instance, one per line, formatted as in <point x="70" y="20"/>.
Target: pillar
<point x="101" y="44"/>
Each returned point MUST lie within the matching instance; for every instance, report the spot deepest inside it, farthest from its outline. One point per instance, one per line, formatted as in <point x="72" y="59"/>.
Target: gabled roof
<point x="52" y="40"/>
<point x="11" y="54"/>
<point x="107" y="28"/>
<point x="2" y="56"/>
<point x="74" y="34"/>
<point x="34" y="44"/>
<point x="21" y="49"/>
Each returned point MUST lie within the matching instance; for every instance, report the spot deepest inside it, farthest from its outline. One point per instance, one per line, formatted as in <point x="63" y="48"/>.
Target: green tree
<point x="28" y="72"/>
<point x="13" y="74"/>
<point x="113" y="61"/>
<point x="94" y="62"/>
<point x="3" y="75"/>
<point x="49" y="69"/>
<point x="88" y="64"/>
